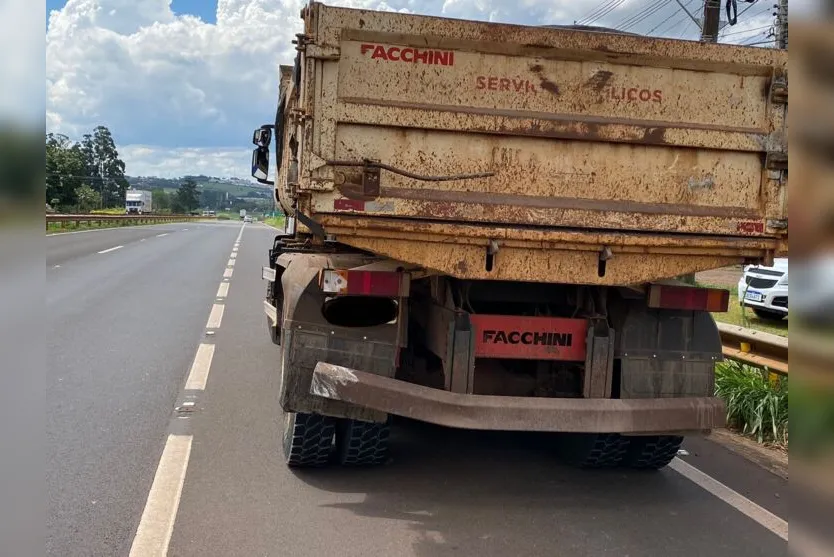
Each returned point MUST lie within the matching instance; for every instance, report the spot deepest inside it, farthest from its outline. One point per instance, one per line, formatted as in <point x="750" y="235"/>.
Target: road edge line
<point x="733" y="498"/>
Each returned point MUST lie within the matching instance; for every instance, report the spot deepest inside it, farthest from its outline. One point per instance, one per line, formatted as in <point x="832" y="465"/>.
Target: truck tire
<point x="593" y="450"/>
<point x="652" y="453"/>
<point x="308" y="439"/>
<point x="361" y="443"/>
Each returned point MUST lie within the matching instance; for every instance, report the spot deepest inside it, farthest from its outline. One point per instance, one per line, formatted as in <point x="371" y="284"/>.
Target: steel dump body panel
<point x="581" y="131"/>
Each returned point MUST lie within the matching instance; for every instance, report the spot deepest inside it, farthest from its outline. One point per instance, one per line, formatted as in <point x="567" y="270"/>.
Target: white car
<point x="765" y="289"/>
<point x="247" y="218"/>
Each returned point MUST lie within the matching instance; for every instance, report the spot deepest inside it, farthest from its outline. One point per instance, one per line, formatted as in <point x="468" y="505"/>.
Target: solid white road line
<point x="161" y="235"/>
<point x="198" y="376"/>
<point x="157" y="523"/>
<point x="233" y="255"/>
<point x="228" y="273"/>
<point x="215" y="317"/>
<point x="111" y="249"/>
<point x="231" y="263"/>
<point x="185" y="230"/>
<point x="223" y="290"/>
<point x="732" y="498"/>
<point x="234" y="249"/>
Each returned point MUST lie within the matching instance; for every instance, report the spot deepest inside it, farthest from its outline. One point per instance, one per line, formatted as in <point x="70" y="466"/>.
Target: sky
<point x="182" y="83"/>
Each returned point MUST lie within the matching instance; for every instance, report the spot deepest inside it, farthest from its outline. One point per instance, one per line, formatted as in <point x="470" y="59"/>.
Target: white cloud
<point x="175" y="90"/>
<point x="222" y="162"/>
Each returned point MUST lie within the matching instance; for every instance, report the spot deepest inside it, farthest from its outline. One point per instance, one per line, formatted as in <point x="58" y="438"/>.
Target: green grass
<point x="277" y="222"/>
<point x="111" y="211"/>
<point x="58" y="227"/>
<point x="757" y="402"/>
<point x="744" y="317"/>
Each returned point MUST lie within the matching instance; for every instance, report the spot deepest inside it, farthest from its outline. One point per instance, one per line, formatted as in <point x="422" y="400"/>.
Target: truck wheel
<point x="308" y="439"/>
<point x="652" y="453"/>
<point x="593" y="450"/>
<point x="361" y="443"/>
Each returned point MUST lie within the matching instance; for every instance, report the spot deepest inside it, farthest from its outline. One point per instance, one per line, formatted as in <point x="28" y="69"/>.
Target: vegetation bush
<point x="757" y="403"/>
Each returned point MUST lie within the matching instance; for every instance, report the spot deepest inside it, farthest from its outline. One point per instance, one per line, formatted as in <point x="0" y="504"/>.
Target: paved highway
<point x="164" y="432"/>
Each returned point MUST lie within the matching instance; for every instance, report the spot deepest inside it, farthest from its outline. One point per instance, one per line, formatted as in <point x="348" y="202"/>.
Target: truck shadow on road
<point x="507" y="494"/>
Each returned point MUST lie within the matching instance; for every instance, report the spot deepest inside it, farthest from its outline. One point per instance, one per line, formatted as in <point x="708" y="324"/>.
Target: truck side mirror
<point x="262" y="136"/>
<point x="260" y="163"/>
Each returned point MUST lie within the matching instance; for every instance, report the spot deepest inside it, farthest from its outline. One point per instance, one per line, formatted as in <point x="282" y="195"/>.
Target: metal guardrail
<point x="60" y="219"/>
<point x="755" y="348"/>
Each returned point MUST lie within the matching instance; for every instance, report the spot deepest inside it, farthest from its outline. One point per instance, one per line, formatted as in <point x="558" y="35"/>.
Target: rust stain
<point x="599" y="80"/>
<point x="545" y="83"/>
<point x="445" y="203"/>
<point x="654" y="136"/>
<point x="549" y="86"/>
<point x="353" y="191"/>
<point x="462" y="268"/>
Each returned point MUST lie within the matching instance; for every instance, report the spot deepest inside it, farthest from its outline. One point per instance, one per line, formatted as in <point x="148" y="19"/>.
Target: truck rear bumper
<point x="505" y="413"/>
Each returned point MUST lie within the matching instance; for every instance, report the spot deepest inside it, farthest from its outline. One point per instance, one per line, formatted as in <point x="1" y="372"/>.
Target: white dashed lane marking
<point x="198" y="376"/>
<point x="108" y="250"/>
<point x="215" y="317"/>
<point x="157" y="523"/>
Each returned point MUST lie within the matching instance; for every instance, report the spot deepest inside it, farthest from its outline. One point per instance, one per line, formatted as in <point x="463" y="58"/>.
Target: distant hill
<point x="236" y="187"/>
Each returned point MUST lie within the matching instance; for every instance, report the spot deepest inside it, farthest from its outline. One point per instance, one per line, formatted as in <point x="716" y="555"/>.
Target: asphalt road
<point x="122" y="327"/>
<point x="125" y="326"/>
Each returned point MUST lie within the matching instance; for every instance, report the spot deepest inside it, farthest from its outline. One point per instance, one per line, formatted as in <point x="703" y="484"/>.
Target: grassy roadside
<point x="757" y="402"/>
<point x="277" y="222"/>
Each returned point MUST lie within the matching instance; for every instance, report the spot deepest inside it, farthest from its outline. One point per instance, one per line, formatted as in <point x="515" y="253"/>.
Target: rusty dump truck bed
<point x="536" y="154"/>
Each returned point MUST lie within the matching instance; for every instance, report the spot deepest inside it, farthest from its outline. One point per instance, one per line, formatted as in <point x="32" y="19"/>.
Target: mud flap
<point x="599" y="361"/>
<point x="668" y="354"/>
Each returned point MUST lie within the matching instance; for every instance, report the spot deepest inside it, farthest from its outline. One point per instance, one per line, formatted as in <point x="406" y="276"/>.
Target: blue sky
<point x="205" y="9"/>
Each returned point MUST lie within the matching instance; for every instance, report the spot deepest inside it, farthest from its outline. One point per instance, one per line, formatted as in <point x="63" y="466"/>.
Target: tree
<point x="65" y="170"/>
<point x="211" y="199"/>
<point x="161" y="200"/>
<point x="103" y="165"/>
<point x="187" y="198"/>
<point x="88" y="198"/>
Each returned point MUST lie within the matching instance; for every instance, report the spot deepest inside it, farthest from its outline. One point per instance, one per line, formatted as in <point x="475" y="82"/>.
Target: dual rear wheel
<point x="311" y="440"/>
<point x="607" y="450"/>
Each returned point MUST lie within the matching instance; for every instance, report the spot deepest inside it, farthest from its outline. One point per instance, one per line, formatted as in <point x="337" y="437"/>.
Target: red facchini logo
<point x="410" y="55"/>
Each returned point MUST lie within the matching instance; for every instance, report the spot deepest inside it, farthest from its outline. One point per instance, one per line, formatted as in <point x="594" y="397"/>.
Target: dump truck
<point x="485" y="223"/>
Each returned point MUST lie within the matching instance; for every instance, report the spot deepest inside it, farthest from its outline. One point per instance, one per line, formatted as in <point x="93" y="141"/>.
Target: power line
<point x="593" y="13"/>
<point x="674" y="13"/>
<point x="601" y="12"/>
<point x="748" y="30"/>
<point x="637" y="17"/>
<point x="760" y="42"/>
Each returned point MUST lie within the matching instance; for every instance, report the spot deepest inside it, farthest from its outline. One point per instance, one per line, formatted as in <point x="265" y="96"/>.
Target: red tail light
<point x="364" y="283"/>
<point x="663" y="296"/>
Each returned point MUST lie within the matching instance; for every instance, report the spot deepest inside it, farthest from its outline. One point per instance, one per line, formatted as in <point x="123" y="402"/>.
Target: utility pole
<point x="782" y="24"/>
<point x="712" y="20"/>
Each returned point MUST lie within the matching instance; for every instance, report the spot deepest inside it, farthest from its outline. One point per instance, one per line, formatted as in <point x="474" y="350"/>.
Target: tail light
<point x="662" y="296"/>
<point x="364" y="283"/>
